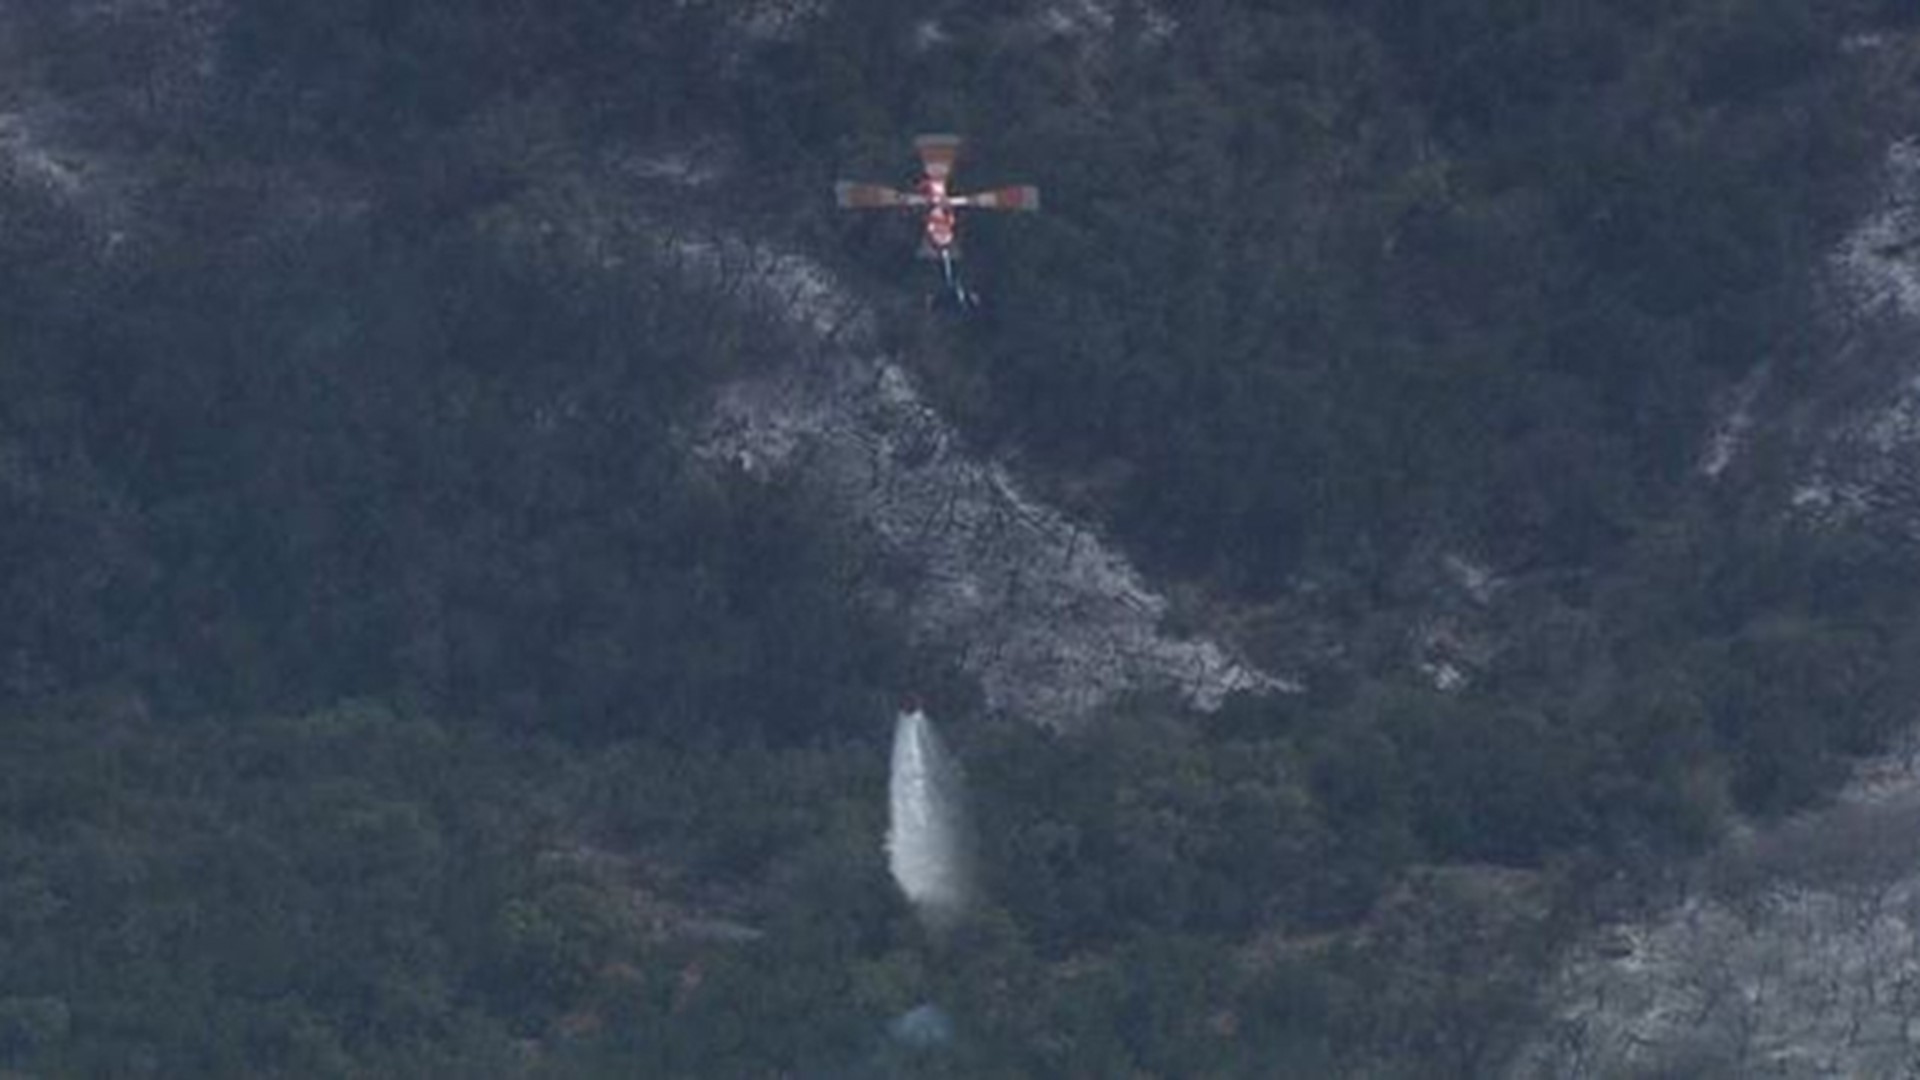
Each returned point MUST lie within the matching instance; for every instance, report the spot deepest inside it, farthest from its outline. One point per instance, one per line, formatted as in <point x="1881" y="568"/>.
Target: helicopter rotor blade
<point x="1018" y="197"/>
<point x="853" y="195"/>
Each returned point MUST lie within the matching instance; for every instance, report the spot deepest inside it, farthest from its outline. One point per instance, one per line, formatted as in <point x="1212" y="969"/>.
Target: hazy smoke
<point x="927" y="844"/>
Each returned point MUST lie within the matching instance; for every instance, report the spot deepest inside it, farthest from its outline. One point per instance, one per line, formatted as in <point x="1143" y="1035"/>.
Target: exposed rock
<point x="1795" y="949"/>
<point x="1731" y="433"/>
<point x="1053" y="622"/>
<point x="1797" y="954"/>
<point x="1867" y="447"/>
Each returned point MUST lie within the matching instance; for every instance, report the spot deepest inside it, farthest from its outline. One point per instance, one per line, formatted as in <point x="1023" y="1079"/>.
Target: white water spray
<point x="927" y="843"/>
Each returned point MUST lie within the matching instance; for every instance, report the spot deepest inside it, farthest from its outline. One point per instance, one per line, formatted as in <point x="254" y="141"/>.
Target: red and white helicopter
<point x="938" y="239"/>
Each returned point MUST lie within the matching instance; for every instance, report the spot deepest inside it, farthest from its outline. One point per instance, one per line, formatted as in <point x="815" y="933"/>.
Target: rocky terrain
<point x="1053" y="622"/>
<point x="1794" y="949"/>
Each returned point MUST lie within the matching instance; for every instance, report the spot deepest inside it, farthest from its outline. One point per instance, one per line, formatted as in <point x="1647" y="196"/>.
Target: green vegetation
<point x="384" y="691"/>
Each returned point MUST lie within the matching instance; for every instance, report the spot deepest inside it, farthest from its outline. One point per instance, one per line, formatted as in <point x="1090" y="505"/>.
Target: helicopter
<point x="940" y="226"/>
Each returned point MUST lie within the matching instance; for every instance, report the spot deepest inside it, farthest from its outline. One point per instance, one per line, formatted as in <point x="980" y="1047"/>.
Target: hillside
<point x="470" y="509"/>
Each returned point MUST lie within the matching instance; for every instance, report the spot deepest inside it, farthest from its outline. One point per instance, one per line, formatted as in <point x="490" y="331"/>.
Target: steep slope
<point x="1793" y="950"/>
<point x="1053" y="623"/>
<point x="509" y="361"/>
<point x="1866" y="422"/>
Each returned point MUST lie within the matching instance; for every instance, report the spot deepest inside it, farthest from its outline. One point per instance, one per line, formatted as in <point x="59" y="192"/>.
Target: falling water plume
<point x="927" y="843"/>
